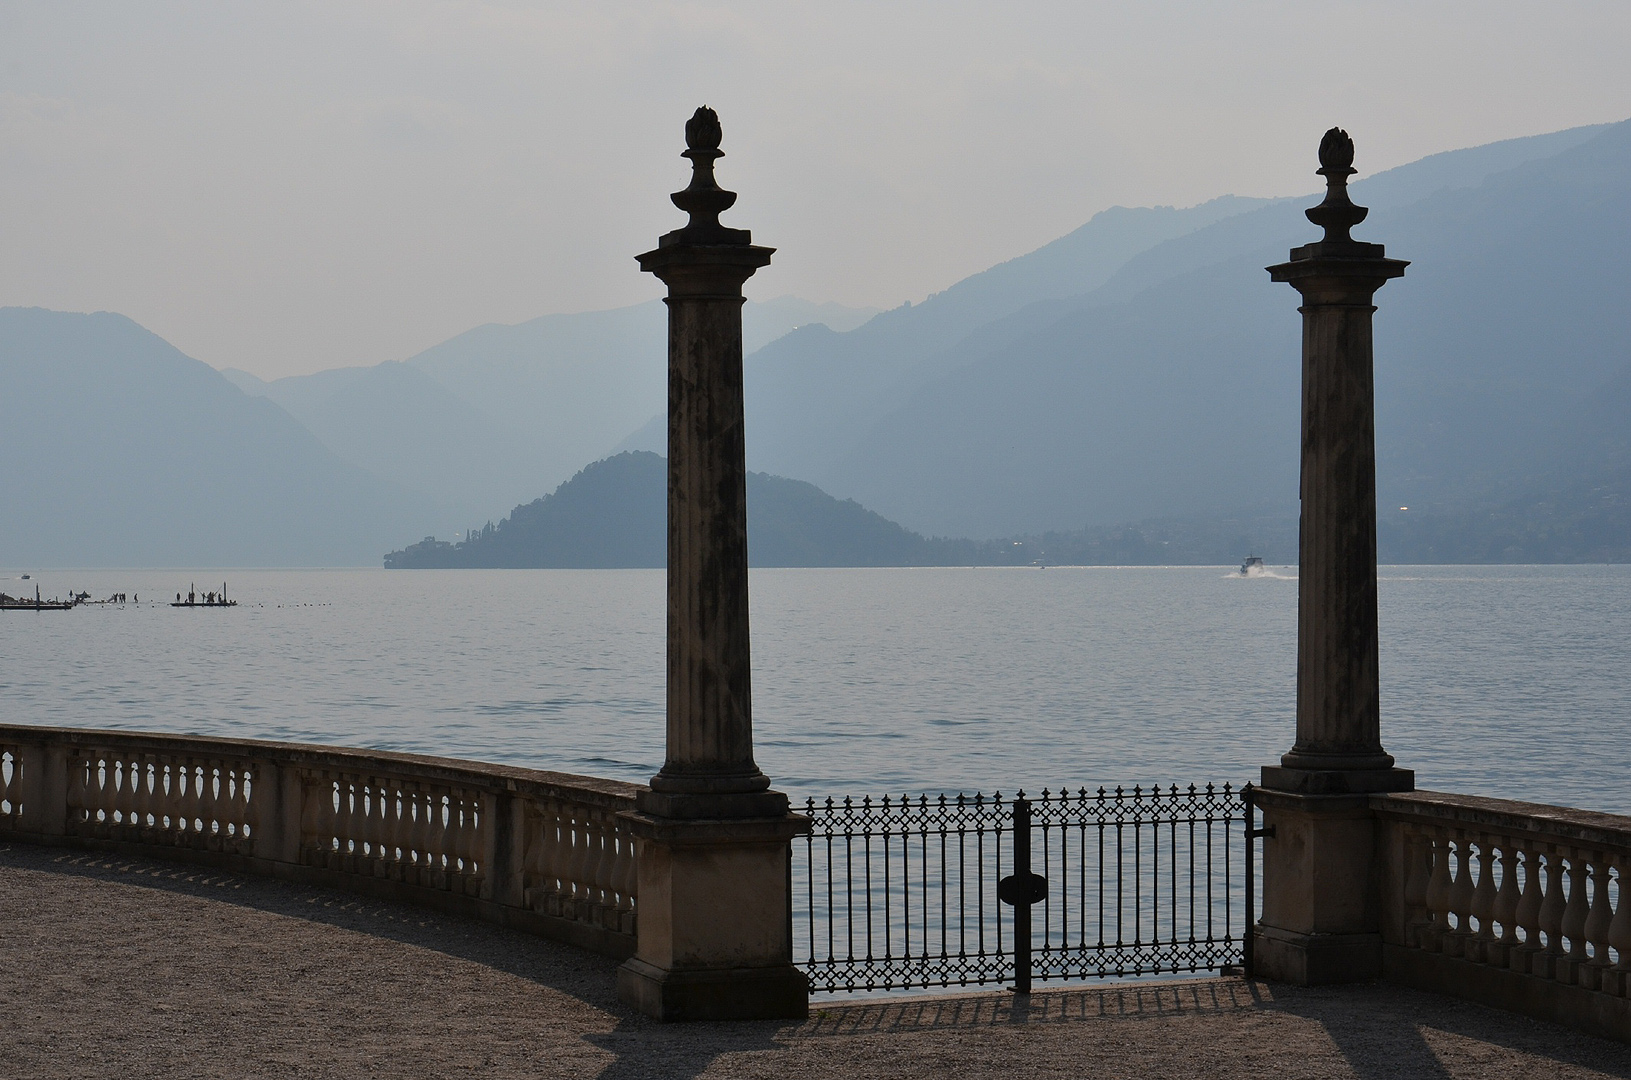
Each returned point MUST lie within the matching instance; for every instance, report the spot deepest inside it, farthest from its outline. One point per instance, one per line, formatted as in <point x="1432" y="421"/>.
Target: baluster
<point x="1619" y="931"/>
<point x="443" y="818"/>
<point x="78" y="781"/>
<point x="1574" y="920"/>
<point x="254" y="800"/>
<point x="209" y="800"/>
<point x="96" y="787"/>
<point x="158" y="799"/>
<point x="348" y="821"/>
<point x="1483" y="903"/>
<point x="420" y="834"/>
<point x="1455" y="943"/>
<point x="147" y="769"/>
<point x="377" y="824"/>
<point x="363" y="805"/>
<point x="240" y="800"/>
<point x="398" y="821"/>
<point x="164" y="801"/>
<point x="600" y="863"/>
<point x="1438" y="895"/>
<point x="1544" y="964"/>
<point x="627" y="869"/>
<point x="1506" y="908"/>
<point x="458" y="829"/>
<point x="227" y="815"/>
<point x="547" y="855"/>
<point x="317" y="817"/>
<point x="410" y="814"/>
<point x="130" y="794"/>
<point x="417" y="815"/>
<point x="1418" y="853"/>
<point x="186" y="798"/>
<point x="124" y="795"/>
<point x="366" y="813"/>
<point x="1596" y="928"/>
<point x="578" y="862"/>
<point x="474" y="841"/>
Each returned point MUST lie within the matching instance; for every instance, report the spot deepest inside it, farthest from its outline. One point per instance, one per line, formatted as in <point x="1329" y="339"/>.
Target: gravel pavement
<point x="112" y="966"/>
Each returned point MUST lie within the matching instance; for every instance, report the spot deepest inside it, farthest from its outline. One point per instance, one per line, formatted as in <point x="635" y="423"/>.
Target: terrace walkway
<point x="130" y="967"/>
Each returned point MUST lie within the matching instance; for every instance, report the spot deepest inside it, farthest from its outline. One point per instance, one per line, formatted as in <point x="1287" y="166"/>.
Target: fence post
<point x="1022" y="901"/>
<point x="1021" y="889"/>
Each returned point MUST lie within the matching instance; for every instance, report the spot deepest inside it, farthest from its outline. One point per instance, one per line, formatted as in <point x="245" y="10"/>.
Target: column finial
<point x="1337" y="214"/>
<point x="704" y="199"/>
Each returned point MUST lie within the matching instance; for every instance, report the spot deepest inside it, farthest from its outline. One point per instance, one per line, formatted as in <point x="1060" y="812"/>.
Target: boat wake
<point x="1260" y="571"/>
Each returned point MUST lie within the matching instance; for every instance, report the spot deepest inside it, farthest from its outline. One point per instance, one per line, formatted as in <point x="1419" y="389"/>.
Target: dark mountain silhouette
<point x="613" y="514"/>
<point x="120" y="451"/>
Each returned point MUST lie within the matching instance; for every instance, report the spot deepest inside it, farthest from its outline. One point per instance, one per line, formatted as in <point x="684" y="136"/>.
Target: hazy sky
<point x="285" y="187"/>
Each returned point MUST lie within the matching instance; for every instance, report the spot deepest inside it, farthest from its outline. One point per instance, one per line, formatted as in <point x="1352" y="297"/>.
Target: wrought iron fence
<point x="909" y="892"/>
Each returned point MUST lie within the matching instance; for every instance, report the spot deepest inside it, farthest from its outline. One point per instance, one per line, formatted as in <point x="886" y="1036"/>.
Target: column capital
<point x="705" y="271"/>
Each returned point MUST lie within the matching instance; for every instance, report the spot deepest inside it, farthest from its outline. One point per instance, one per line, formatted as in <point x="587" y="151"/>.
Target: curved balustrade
<point x="544" y="852"/>
<point x="1535" y="897"/>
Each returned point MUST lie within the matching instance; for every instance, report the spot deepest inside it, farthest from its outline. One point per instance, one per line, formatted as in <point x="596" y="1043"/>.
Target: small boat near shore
<point x="209" y="599"/>
<point x="1252" y="562"/>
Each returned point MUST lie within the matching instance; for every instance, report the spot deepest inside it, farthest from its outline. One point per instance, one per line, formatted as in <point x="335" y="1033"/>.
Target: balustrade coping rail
<point x="544" y="852"/>
<point x="1588" y="827"/>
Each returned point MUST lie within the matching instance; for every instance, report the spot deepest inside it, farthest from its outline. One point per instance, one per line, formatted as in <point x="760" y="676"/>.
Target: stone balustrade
<point x="1512" y="904"/>
<point x="543" y="852"/>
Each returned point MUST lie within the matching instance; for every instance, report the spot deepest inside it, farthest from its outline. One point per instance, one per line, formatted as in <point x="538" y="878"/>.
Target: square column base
<point x="715" y="920"/>
<point x="1320" y="920"/>
<point x="1315" y="959"/>
<point x="758" y="993"/>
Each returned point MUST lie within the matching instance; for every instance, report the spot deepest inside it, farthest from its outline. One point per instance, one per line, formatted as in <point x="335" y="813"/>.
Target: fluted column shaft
<point x="710" y="715"/>
<point x="1338" y="713"/>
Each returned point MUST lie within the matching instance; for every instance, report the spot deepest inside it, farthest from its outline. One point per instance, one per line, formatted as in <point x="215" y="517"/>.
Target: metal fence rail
<point x="1141" y="882"/>
<point x="895" y="893"/>
<point x="909" y="892"/>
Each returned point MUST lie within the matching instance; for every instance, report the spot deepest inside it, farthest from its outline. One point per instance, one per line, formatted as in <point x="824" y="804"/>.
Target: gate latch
<point x="1009" y="890"/>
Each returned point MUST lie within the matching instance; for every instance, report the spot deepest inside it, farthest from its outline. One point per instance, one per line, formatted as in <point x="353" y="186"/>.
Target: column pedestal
<point x="1319" y="922"/>
<point x="714" y="940"/>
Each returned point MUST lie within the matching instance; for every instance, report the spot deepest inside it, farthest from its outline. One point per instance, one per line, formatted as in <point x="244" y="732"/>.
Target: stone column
<point x="713" y="910"/>
<point x="1319" y="921"/>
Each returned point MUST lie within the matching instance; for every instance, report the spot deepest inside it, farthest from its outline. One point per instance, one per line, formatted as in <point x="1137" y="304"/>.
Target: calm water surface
<point x="1505" y="681"/>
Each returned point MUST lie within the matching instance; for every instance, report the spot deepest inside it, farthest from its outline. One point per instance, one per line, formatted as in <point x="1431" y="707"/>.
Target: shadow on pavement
<point x="580" y="974"/>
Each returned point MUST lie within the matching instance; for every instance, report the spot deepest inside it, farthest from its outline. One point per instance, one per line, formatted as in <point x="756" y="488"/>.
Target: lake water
<point x="1506" y="681"/>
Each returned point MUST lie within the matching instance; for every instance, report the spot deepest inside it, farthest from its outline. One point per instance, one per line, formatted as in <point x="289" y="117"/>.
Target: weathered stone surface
<point x="1319" y="920"/>
<point x="710" y="708"/>
<point x="120" y="966"/>
<point x="540" y="851"/>
<point x="1338" y="717"/>
<point x="715" y="913"/>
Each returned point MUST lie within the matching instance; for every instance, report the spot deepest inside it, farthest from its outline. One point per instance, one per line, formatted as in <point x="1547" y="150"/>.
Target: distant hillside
<point x="614" y="514"/>
<point x="1173" y="389"/>
<point x="118" y="450"/>
<point x="500" y="412"/>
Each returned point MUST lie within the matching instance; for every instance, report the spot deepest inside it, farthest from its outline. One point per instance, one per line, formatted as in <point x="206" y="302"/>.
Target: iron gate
<point x="909" y="892"/>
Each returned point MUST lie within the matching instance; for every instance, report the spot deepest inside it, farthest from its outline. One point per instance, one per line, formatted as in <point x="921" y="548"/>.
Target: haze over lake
<point x="1508" y="681"/>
